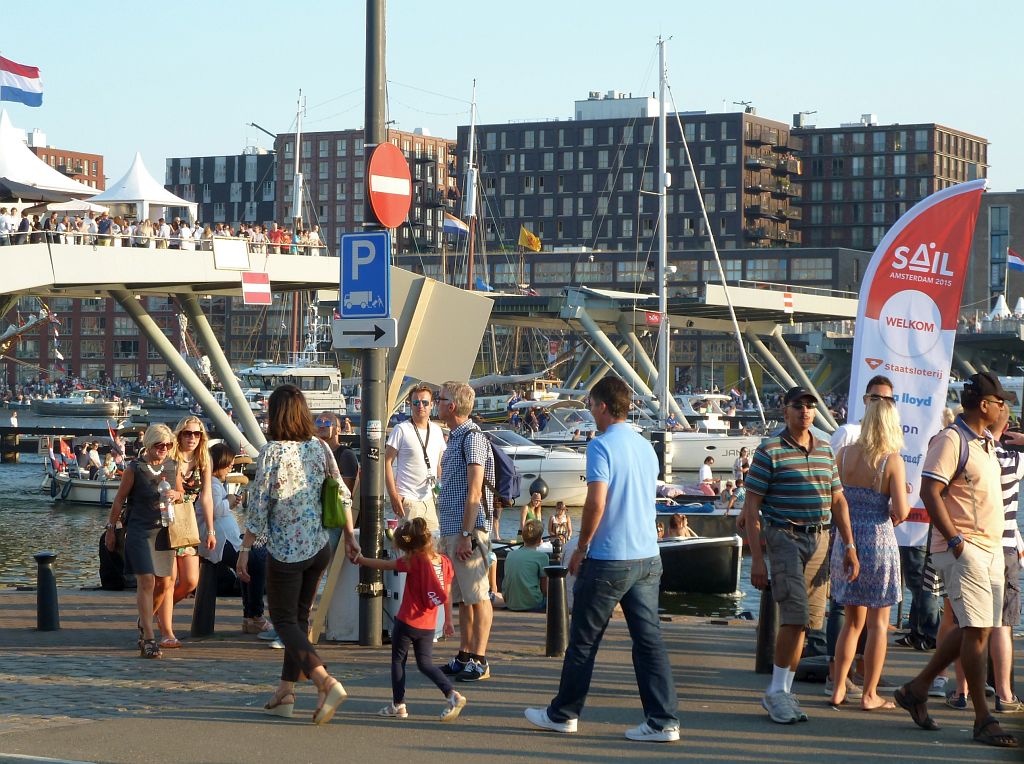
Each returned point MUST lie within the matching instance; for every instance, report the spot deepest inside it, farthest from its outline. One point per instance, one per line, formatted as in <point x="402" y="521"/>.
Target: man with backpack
<point x="465" y="503"/>
<point x="964" y="500"/>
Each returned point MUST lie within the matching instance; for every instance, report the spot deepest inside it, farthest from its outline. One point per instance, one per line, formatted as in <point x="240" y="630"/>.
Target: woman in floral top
<point x="284" y="505"/>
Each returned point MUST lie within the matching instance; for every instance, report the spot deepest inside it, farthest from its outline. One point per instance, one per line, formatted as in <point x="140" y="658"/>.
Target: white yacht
<point x="320" y="384"/>
<point x="563" y="469"/>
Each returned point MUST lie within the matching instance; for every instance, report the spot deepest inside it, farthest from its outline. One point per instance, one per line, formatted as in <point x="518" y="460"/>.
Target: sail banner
<point x="906" y="324"/>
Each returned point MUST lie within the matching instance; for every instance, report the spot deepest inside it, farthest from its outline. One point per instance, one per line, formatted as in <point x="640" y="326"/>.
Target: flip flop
<point x="334" y="698"/>
<point x="885" y="706"/>
<point x="170" y="644"/>
<point x="917" y="708"/>
<point x="998" y="739"/>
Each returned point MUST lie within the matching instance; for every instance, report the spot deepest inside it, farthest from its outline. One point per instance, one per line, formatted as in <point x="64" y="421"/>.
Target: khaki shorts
<point x="425" y="509"/>
<point x="799" y="574"/>
<point x="471" y="585"/>
<point x="1011" y="591"/>
<point x="974" y="585"/>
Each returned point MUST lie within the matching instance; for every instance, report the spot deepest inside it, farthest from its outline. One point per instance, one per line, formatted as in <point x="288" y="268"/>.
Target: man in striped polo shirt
<point x="793" y="494"/>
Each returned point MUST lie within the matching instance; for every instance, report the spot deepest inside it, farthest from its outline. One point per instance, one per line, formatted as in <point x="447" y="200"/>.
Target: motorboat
<point x="701" y="565"/>
<point x="321" y="385"/>
<point x="81" y="403"/>
<point x="76" y="488"/>
<point x="690" y="449"/>
<point x="704" y="411"/>
<point x="706" y="517"/>
<point x="569" y="421"/>
<point x="563" y="469"/>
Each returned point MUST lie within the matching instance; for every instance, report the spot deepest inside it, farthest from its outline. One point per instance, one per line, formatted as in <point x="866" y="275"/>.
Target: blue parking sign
<point x="365" y="290"/>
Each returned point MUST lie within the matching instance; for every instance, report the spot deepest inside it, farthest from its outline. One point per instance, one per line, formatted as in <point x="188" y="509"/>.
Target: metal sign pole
<point x="373" y="416"/>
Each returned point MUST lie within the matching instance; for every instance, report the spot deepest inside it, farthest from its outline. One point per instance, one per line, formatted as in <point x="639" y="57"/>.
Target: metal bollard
<point x="556" y="636"/>
<point x="47" y="611"/>
<point x="767" y="629"/>
<point x="556" y="550"/>
<point x="204" y="612"/>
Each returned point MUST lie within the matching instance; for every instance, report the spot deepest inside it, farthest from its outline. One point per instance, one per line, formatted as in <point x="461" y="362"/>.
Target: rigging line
<point x="429" y="113"/>
<point x="428" y="92"/>
<point x="718" y="262"/>
<point x="335" y="114"/>
<point x="338" y="97"/>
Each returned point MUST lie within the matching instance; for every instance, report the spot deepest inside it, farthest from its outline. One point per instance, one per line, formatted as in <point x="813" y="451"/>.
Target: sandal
<point x="150" y="649"/>
<point x="999" y="739"/>
<point x="334" y="698"/>
<point x="170" y="643"/>
<point x="277" y="706"/>
<point x="142" y="634"/>
<point x="917" y="707"/>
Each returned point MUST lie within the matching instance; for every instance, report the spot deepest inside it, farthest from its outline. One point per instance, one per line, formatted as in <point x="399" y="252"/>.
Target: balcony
<point x="785" y="235"/>
<point x="785" y="190"/>
<point x="787" y="167"/>
<point x="759" y="162"/>
<point x="789" y="145"/>
<point x="762" y="137"/>
<point x="790" y="213"/>
<point x="759" y="211"/>
<point x="758" y="188"/>
<point x="755" y="233"/>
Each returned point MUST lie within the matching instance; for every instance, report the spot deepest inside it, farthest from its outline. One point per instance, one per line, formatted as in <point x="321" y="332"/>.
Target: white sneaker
<point x="277" y="644"/>
<point x="394" y="712"/>
<point x="938" y="688"/>
<point x="780" y="709"/>
<point x="647" y="733"/>
<point x="453" y="707"/>
<point x="538" y="717"/>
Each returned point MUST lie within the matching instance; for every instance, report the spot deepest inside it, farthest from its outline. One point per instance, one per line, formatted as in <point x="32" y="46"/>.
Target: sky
<point x="185" y="79"/>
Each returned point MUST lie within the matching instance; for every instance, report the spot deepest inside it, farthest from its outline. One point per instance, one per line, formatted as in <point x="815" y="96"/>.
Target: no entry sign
<point x="389" y="185"/>
<point x="256" y="288"/>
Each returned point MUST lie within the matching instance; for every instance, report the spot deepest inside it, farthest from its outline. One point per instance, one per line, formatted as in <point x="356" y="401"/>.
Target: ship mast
<point x="664" y="333"/>
<point x="469" y="197"/>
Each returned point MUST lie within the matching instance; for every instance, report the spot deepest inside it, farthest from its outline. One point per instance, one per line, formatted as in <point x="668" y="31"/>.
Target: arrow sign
<point x="352" y="333"/>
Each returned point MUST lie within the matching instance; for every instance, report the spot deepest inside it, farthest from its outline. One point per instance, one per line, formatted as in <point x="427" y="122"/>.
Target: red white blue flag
<point x="20" y="83"/>
<point x="1014" y="261"/>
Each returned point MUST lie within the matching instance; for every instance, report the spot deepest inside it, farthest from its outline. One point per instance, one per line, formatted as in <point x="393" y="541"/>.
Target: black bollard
<point x="767" y="628"/>
<point x="556" y="550"/>
<point x="47" y="611"/>
<point x="204" y="612"/>
<point x="557" y="634"/>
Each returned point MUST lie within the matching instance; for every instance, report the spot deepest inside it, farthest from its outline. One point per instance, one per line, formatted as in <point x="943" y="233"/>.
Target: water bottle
<point x="166" y="505"/>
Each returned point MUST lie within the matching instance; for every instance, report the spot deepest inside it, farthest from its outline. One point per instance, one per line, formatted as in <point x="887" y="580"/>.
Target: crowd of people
<point x="102" y="229"/>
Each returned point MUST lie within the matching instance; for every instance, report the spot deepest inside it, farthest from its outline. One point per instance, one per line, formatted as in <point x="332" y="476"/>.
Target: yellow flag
<point x="528" y="240"/>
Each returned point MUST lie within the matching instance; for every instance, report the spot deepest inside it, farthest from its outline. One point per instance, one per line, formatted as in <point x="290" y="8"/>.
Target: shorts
<point x="799" y="574"/>
<point x="425" y="509"/>
<point x="1011" y="587"/>
<point x="471" y="584"/>
<point x="974" y="585"/>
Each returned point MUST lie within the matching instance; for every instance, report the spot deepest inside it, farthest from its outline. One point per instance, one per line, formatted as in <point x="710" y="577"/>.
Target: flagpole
<point x="1006" y="275"/>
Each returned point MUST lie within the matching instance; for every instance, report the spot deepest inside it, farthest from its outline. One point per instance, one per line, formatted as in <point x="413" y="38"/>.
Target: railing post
<point x="556" y="637"/>
<point x="47" y="609"/>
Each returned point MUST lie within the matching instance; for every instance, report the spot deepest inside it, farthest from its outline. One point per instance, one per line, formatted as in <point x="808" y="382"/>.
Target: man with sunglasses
<point x="967" y="528"/>
<point x="794" y="495"/>
<point x="412" y="461"/>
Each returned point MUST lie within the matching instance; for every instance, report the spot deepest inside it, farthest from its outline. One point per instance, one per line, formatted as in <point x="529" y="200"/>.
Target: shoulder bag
<point x="334" y="494"/>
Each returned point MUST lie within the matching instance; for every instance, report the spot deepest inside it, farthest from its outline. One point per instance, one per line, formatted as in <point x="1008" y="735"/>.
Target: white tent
<point x="75" y="205"/>
<point x="19" y="164"/>
<point x="1018" y="308"/>
<point x="139" y="189"/>
<point x="1001" y="310"/>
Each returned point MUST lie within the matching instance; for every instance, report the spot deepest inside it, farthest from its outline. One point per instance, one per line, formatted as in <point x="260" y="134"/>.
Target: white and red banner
<point x="906" y="324"/>
<point x="256" y="288"/>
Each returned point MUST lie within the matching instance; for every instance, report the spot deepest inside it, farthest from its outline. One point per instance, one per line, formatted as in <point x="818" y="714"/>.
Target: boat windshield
<point x="571" y="419"/>
<point x="509" y="438"/>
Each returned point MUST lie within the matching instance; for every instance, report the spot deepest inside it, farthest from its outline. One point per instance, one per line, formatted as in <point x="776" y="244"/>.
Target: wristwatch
<point x="466" y="534"/>
<point x="957" y="540"/>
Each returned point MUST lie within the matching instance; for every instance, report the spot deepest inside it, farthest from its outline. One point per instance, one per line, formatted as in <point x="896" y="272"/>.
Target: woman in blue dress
<point x="874" y="481"/>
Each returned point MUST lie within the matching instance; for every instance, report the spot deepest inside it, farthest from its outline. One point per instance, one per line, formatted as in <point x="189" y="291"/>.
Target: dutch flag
<point x="1014" y="261"/>
<point x="452" y="224"/>
<point x="20" y="83"/>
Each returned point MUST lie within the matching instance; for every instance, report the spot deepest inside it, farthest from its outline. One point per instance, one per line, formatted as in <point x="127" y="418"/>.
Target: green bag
<point x="335" y="498"/>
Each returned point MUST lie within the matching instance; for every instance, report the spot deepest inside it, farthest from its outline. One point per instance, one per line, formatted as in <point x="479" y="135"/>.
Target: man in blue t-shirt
<point x="616" y="562"/>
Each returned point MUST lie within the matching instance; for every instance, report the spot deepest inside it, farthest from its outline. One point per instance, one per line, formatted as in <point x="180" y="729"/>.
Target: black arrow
<point x="377" y="333"/>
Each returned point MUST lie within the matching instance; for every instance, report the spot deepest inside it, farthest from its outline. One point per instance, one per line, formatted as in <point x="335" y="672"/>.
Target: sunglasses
<point x="997" y="401"/>
<point x="163" y="446"/>
<point x="422" y="403"/>
<point x="802" y="406"/>
<point x="192" y="433"/>
<point x="876" y="397"/>
<point x="324" y="422"/>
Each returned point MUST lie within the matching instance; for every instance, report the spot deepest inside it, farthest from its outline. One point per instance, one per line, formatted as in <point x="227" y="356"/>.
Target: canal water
<point x="31" y="522"/>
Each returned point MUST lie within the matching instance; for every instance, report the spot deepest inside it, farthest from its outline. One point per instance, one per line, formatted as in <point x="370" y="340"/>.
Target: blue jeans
<point x="600" y="585"/>
<point x="925" y="608"/>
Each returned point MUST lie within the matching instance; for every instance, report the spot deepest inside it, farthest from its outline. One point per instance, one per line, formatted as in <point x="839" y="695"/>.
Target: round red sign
<point x="389" y="185"/>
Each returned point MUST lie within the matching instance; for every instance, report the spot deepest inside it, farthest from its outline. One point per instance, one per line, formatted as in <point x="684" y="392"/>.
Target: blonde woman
<point x="147" y="552"/>
<point x="874" y="481"/>
<point x="194" y="481"/>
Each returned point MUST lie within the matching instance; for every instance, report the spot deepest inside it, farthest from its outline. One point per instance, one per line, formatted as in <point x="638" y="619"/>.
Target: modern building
<point x="78" y="165"/>
<point x="698" y="358"/>
<point x="333" y="168"/>
<point x="860" y="177"/>
<point x="592" y="181"/>
<point x="1000" y="227"/>
<point x="233" y="189"/>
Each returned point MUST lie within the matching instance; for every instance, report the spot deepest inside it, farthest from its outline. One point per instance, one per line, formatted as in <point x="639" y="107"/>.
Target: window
<point x="817" y="191"/>
<point x="627" y="181"/>
<point x="323" y="170"/>
<point x="733" y="269"/>
<point x="766" y="269"/>
<point x="838" y="166"/>
<point x="836" y="213"/>
<point x="730" y="201"/>
<point x="878" y="212"/>
<point x="567" y="160"/>
<point x="857" y="140"/>
<point x="528" y="139"/>
<point x="857" y="190"/>
<point x="596" y="271"/>
<point x="686" y="271"/>
<point x="817" y="144"/>
<point x="878" y="166"/>
<point x="816" y="216"/>
<point x="588" y="183"/>
<point x="627" y="228"/>
<point x="689" y="131"/>
<point x="709" y="201"/>
<point x="220" y="169"/>
<point x="811" y="269"/>
<point x="878" y="141"/>
<point x="551" y="273"/>
<point x="506" y="273"/>
<point x="709" y="155"/>
<point x="857" y="166"/>
<point x="631" y="270"/>
<point x="730" y="153"/>
<point x="899" y="142"/>
<point x="837" y="143"/>
<point x="588" y="136"/>
<point x="922" y="164"/>
<point x="549" y="207"/>
<point x="920" y="140"/>
<point x="837" y="190"/>
<point x="899" y="164"/>
<point x="548" y="160"/>
<point x="878" y="189"/>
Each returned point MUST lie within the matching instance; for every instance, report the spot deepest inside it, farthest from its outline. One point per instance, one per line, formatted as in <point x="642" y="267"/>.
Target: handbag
<point x="184" y="531"/>
<point x="334" y="494"/>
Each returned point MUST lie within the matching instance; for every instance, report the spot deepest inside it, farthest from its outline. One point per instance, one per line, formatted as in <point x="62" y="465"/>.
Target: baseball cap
<point x="797" y="393"/>
<point x="986" y="383"/>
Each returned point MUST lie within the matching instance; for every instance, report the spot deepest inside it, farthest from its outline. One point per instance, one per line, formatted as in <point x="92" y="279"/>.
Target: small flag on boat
<point x="60" y="356"/>
<point x="20" y="83"/>
<point x="1013" y="260"/>
<point x="452" y="224"/>
<point x="528" y="239"/>
<point x="736" y="392"/>
<point x="256" y="288"/>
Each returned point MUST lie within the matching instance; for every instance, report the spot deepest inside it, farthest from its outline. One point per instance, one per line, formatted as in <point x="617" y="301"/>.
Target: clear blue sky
<point x="184" y="79"/>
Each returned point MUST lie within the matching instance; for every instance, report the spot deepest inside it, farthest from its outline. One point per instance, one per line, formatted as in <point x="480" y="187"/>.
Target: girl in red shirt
<point x="428" y="577"/>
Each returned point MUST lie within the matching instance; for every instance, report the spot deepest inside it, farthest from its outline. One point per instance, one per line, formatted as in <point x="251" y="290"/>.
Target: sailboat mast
<point x="469" y="197"/>
<point x="297" y="180"/>
<point x="664" y="332"/>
